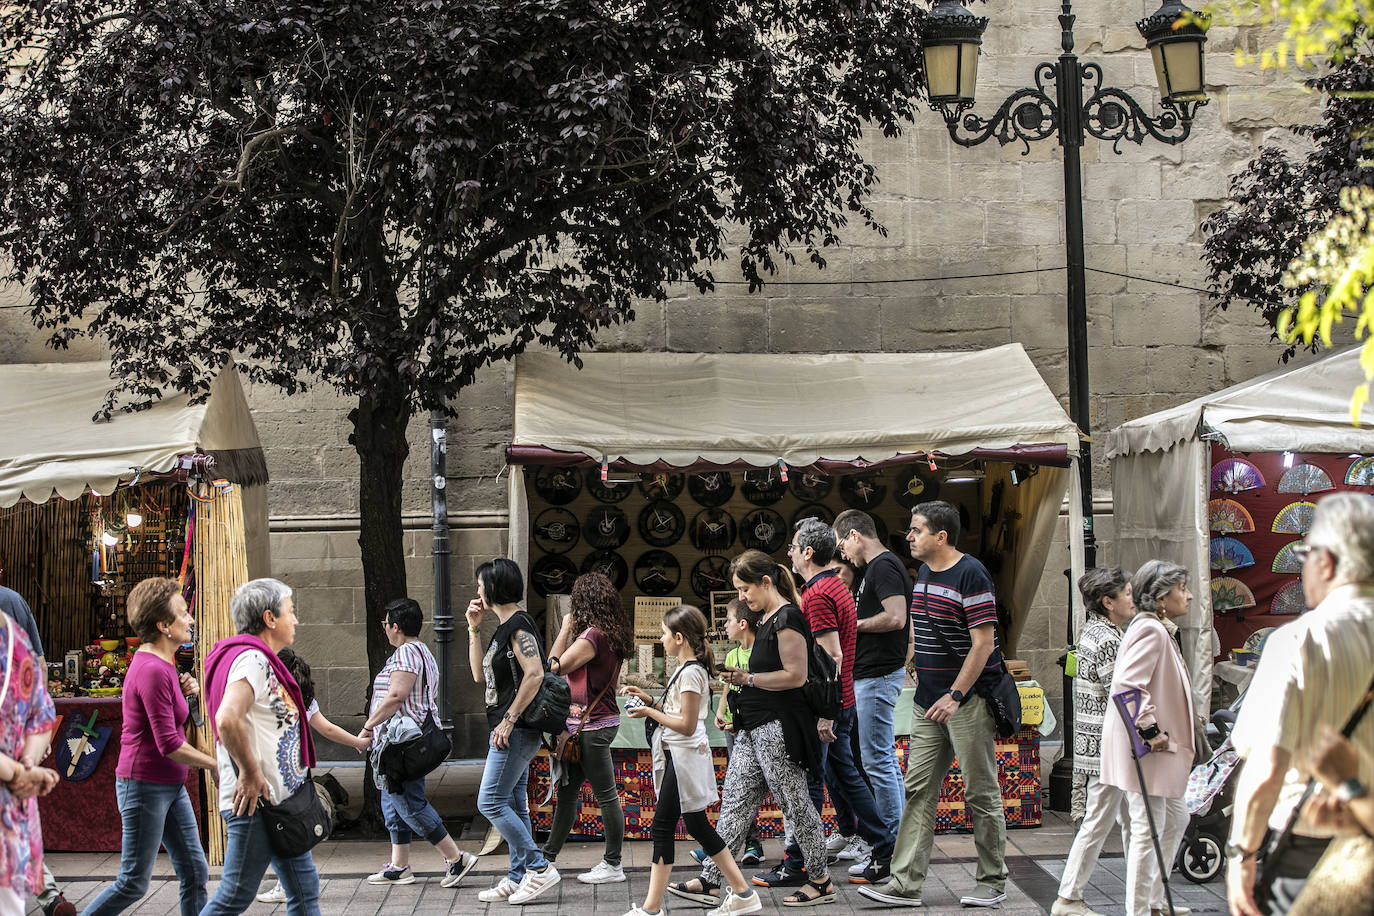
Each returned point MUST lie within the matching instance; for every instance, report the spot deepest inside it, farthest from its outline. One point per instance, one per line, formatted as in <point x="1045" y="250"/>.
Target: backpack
<point x="548" y="711"/>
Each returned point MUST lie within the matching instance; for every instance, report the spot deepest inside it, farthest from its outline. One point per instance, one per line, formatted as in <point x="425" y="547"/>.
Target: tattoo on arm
<point x="526" y="644"/>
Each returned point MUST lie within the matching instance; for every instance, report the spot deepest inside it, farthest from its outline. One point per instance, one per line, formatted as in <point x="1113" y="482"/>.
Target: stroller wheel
<point x="1200" y="858"/>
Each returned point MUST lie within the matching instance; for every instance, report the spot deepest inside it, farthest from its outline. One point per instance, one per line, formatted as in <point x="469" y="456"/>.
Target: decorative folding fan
<point x="1294" y="518"/>
<point x="1230" y="594"/>
<point x="1286" y="560"/>
<point x="1229" y="516"/>
<point x="1229" y="553"/>
<point x="1234" y="475"/>
<point x="1289" y="600"/>
<point x="1361" y="473"/>
<point x="1304" y="479"/>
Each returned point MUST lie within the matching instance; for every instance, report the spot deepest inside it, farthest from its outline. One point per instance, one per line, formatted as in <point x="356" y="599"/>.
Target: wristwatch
<point x="1350" y="790"/>
<point x="1236" y="853"/>
<point x="957" y="694"/>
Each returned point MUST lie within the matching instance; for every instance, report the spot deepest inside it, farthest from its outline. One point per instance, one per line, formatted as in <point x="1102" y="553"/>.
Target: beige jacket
<point x="1149" y="661"/>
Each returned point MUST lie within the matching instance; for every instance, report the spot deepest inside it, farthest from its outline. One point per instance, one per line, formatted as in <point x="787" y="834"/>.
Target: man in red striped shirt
<point x="956" y="655"/>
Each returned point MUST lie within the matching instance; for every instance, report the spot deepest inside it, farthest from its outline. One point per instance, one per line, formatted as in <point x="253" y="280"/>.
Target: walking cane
<point x="1128" y="705"/>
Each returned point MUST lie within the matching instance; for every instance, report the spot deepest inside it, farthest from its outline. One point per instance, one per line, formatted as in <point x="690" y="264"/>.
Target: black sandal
<point x="708" y="895"/>
<point x="825" y="893"/>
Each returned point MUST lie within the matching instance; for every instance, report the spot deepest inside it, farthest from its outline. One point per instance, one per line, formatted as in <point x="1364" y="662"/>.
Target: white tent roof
<point x="52" y="445"/>
<point x="1303" y="408"/>
<point x="685" y="408"/>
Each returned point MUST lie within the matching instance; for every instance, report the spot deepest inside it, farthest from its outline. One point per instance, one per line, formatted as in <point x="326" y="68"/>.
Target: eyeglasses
<point x="793" y="548"/>
<point x="1303" y="551"/>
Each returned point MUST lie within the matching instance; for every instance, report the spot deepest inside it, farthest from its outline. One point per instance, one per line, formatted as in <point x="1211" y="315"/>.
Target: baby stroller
<point x="1210" y="800"/>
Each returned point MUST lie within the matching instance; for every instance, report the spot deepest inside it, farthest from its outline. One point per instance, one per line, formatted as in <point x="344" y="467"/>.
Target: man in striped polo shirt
<point x="956" y="656"/>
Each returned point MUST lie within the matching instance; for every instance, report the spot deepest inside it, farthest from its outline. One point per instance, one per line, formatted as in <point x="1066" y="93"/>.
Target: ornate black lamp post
<point x="951" y="37"/>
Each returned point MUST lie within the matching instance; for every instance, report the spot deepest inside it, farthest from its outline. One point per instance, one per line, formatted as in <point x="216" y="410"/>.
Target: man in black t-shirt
<point x="954" y="618"/>
<point x="880" y="654"/>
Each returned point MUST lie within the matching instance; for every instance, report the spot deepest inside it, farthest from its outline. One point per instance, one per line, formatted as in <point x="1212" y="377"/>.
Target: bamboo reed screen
<point x="45" y="555"/>
<point x="221" y="563"/>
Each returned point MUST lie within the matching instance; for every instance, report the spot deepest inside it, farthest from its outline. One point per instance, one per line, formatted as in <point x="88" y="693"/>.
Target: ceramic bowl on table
<point x="109" y="645"/>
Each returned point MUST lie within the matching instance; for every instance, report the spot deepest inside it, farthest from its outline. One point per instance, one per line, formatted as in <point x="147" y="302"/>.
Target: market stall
<point x="87" y="510"/>
<point x="657" y="469"/>
<point x="1225" y="486"/>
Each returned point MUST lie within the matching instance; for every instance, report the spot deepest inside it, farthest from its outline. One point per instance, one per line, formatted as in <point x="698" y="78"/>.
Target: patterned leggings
<point x="758" y="765"/>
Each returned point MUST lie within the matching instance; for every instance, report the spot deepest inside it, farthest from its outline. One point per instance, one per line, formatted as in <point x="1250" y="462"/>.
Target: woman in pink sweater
<point x="154" y="756"/>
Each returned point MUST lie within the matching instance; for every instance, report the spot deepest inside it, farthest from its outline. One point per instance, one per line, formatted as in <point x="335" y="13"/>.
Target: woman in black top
<point x="776" y="743"/>
<point x="513" y="652"/>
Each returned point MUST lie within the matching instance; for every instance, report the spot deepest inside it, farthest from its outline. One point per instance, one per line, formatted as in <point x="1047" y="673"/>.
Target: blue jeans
<point x="246" y="856"/>
<point x="876" y="704"/>
<point x="844" y="779"/>
<point x="410" y="814"/>
<point x="154" y="814"/>
<point x="504" y="800"/>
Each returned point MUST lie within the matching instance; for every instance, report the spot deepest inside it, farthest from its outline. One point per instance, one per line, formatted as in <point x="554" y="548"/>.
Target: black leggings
<point x="666" y="815"/>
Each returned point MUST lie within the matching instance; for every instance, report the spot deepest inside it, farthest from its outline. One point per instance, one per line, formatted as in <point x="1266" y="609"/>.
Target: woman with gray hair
<point x="1107" y="597"/>
<point x="264" y="750"/>
<point x="1149" y="661"/>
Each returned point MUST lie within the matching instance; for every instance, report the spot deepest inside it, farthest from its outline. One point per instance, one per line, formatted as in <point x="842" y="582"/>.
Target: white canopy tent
<point x="1161" y="470"/>
<point x="53" y="447"/>
<point x="702" y="410"/>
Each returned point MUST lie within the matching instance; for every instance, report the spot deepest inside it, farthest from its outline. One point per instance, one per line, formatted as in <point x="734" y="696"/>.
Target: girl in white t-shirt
<point x="684" y="776"/>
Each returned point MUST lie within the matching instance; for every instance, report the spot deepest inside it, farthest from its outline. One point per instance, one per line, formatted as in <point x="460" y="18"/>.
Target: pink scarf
<point x="217" y="666"/>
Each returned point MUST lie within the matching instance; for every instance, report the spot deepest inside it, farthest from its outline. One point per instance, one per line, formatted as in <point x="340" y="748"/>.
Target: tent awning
<point x="53" y="446"/>
<point x="685" y="409"/>
<point x="1303" y="408"/>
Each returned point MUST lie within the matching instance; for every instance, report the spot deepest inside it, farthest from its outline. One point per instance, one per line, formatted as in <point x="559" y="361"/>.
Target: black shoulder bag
<point x="823" y="690"/>
<point x="418" y="757"/>
<point x="298" y="823"/>
<point x="548" y="711"/>
<point x="1002" y="697"/>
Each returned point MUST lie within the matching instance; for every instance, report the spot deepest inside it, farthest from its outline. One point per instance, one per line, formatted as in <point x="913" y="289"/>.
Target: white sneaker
<point x="640" y="911"/>
<point x="603" y="873"/>
<point x="856" y="849"/>
<point x="858" y="868"/>
<point x="390" y="874"/>
<point x="835" y="843"/>
<point x="535" y="883"/>
<point x="276" y="895"/>
<point x="498" y="892"/>
<point x="735" y="905"/>
<point x="458" y="869"/>
<point x="1072" y="908"/>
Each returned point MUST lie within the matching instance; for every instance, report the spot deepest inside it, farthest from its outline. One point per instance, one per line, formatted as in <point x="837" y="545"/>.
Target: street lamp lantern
<point x="1069" y="102"/>
<point x="1175" y="35"/>
<point x="950" y="41"/>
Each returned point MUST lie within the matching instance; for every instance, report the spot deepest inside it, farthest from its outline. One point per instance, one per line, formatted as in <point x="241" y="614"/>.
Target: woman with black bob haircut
<point x="776" y="744"/>
<point x="408" y="685"/>
<point x="511" y="666"/>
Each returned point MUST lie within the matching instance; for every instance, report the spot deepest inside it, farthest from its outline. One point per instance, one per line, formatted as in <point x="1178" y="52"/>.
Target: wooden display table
<point x="84" y="816"/>
<point x="1018" y="772"/>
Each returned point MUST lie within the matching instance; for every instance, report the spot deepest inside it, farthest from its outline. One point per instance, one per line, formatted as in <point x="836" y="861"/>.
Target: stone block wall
<point x="951" y="214"/>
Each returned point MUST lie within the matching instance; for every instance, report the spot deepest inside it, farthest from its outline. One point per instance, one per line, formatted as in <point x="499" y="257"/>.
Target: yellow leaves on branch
<point x="1313" y="31"/>
<point x="1339" y="262"/>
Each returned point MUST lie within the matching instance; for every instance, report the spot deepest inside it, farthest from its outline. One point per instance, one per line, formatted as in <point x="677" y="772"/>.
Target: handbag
<point x="418" y="757"/>
<point x="823" y="690"/>
<point x="1004" y="702"/>
<point x="1340" y="864"/>
<point x="568" y="748"/>
<point x="299" y="823"/>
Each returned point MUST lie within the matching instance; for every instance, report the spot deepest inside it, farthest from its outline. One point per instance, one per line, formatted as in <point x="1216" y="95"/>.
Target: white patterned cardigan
<point x="1097" y="647"/>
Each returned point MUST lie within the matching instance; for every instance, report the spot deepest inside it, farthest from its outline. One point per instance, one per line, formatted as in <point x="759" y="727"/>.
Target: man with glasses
<point x="1311" y="678"/>
<point x="881" y="650"/>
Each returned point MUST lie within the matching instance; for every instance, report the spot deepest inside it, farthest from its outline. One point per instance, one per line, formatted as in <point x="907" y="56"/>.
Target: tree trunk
<point x="379" y="435"/>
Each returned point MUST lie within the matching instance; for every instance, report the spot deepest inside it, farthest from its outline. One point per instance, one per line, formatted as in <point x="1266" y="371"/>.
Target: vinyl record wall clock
<point x="606" y="492"/>
<point x="862" y="491"/>
<point x="916" y="485"/>
<point x="662" y="524"/>
<point x="552" y="575"/>
<point x="763" y="487"/>
<point x="763" y="529"/>
<point x="556" y="530"/>
<point x="657" y="572"/>
<point x="662" y="485"/>
<point x="610" y="564"/>
<point x="711" y="574"/>
<point x="711" y="489"/>
<point x="557" y="486"/>
<point x="606" y="528"/>
<point x="810" y="486"/>
<point x="713" y="531"/>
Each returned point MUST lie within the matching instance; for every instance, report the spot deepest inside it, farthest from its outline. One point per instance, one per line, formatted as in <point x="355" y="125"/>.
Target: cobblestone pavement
<point x="1035" y="859"/>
